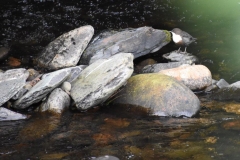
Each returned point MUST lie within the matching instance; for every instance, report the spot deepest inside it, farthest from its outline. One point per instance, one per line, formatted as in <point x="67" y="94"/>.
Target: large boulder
<point x="66" y="50"/>
<point x="101" y="79"/>
<point x="49" y="82"/>
<point x="195" y="77"/>
<point x="11" y="82"/>
<point x="139" y="42"/>
<point x="160" y="94"/>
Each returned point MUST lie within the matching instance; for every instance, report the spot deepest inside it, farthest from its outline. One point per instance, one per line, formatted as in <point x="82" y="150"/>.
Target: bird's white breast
<point x="176" y="38"/>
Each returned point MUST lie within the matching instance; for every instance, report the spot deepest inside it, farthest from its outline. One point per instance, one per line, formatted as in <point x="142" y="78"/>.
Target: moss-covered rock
<point x="161" y="94"/>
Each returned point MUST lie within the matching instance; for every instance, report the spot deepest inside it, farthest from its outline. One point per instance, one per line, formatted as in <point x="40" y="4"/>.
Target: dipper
<point x="182" y="38"/>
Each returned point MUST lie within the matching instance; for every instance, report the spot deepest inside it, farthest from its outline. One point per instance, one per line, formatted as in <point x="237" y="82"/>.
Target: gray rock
<point x="42" y="88"/>
<point x="101" y="79"/>
<point x="11" y="82"/>
<point x="107" y="157"/>
<point x="176" y="56"/>
<point x="222" y="83"/>
<point x="139" y="42"/>
<point x="231" y="92"/>
<point x="75" y="72"/>
<point x="57" y="102"/>
<point x="161" y="95"/>
<point x="161" y="66"/>
<point x="66" y="50"/>
<point x="8" y="115"/>
<point x="66" y="86"/>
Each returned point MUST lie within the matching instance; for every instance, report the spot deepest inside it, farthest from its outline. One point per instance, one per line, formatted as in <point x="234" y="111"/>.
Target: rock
<point x="75" y="72"/>
<point x="66" y="86"/>
<point x="222" y="83"/>
<point x="161" y="66"/>
<point x="32" y="74"/>
<point x="231" y="92"/>
<point x="176" y="56"/>
<point x="139" y="42"/>
<point x="11" y="82"/>
<point x="195" y="77"/>
<point x="66" y="50"/>
<point x="139" y="66"/>
<point x="57" y="102"/>
<point x="161" y="94"/>
<point x="42" y="88"/>
<point x="8" y="115"/>
<point x="3" y="52"/>
<point x="101" y="79"/>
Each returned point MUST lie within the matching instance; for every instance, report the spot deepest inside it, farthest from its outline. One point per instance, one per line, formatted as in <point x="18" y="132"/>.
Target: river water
<point x="26" y="26"/>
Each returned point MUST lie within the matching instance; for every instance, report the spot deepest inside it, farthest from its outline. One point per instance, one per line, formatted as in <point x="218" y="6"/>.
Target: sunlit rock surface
<point x="8" y="115"/>
<point x="101" y="79"/>
<point x="161" y="94"/>
<point x="57" y="102"/>
<point x="42" y="88"/>
<point x="11" y="82"/>
<point x="195" y="77"/>
<point x="66" y="50"/>
<point x="139" y="42"/>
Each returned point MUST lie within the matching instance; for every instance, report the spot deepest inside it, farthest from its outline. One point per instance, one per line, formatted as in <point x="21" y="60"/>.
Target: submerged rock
<point x="176" y="56"/>
<point x="8" y="115"/>
<point x="3" y="52"/>
<point x="139" y="42"/>
<point x="195" y="77"/>
<point x="66" y="50"/>
<point x="222" y="83"/>
<point x="101" y="79"/>
<point x="160" y="94"/>
<point x="57" y="102"/>
<point x="11" y="82"/>
<point x="42" y="88"/>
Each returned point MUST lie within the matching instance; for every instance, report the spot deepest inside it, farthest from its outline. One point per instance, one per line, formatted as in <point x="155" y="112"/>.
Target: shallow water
<point x="26" y="26"/>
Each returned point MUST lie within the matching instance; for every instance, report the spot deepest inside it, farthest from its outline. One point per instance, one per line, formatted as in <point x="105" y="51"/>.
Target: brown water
<point x="26" y="26"/>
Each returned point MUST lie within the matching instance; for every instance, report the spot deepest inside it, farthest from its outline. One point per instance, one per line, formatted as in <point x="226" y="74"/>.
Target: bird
<point x="182" y="38"/>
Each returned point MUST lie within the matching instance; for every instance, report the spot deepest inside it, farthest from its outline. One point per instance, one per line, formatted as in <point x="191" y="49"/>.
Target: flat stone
<point x="139" y="42"/>
<point x="11" y="82"/>
<point x="101" y="79"/>
<point x="66" y="50"/>
<point x="42" y="88"/>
